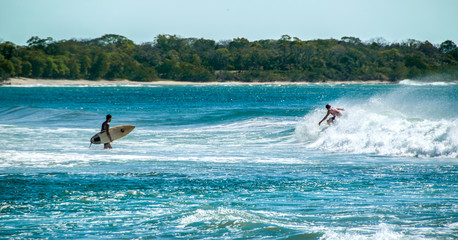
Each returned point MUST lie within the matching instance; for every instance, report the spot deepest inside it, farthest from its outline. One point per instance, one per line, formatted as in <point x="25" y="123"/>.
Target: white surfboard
<point x="115" y="132"/>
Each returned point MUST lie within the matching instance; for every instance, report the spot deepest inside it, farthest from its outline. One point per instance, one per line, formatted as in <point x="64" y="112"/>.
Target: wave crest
<point x="427" y="83"/>
<point x="378" y="127"/>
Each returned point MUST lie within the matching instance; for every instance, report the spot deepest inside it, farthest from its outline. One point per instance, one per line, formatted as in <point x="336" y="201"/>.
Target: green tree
<point x="8" y="50"/>
<point x="447" y="47"/>
<point x="6" y="68"/>
<point x="100" y="67"/>
<point x="171" y="57"/>
<point x="39" y="43"/>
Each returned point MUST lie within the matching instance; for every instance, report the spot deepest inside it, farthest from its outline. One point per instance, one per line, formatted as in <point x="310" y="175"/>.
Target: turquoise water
<point x="229" y="161"/>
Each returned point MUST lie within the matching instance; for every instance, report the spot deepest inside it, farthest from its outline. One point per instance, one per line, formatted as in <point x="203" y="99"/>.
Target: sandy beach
<point x="83" y="82"/>
<point x="63" y="82"/>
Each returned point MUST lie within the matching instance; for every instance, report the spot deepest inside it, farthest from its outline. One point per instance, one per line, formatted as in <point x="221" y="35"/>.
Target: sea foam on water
<point x="385" y="125"/>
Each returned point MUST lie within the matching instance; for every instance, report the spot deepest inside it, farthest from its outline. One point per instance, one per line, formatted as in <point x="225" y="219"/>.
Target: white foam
<point x="225" y="216"/>
<point x="426" y="83"/>
<point x="383" y="232"/>
<point x="49" y="159"/>
<point x="382" y="126"/>
<point x="218" y="215"/>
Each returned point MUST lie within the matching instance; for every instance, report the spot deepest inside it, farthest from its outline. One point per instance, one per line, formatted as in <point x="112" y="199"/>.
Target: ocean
<point x="228" y="161"/>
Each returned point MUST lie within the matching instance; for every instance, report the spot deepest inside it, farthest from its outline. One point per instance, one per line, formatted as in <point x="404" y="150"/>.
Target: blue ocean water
<point x="230" y="161"/>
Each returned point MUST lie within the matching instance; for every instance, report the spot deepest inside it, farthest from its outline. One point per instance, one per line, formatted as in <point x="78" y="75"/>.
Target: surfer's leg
<point x="106" y="146"/>
<point x="331" y="120"/>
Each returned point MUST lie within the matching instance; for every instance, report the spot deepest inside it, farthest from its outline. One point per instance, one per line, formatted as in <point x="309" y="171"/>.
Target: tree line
<point x="191" y="59"/>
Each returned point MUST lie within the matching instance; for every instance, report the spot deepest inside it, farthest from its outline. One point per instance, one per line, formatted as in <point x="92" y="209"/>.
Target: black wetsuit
<point x="105" y="128"/>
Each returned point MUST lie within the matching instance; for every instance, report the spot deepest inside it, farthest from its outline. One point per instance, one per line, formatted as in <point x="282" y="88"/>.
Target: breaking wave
<point x="400" y="123"/>
<point x="427" y="83"/>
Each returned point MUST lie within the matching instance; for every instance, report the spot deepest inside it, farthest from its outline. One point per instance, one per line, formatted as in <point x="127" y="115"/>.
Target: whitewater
<point x="403" y="122"/>
<point x="227" y="161"/>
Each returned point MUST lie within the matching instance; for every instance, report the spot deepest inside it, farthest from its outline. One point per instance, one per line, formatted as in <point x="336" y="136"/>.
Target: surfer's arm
<point x="106" y="128"/>
<point x="327" y="114"/>
<point x="341" y="109"/>
<point x="109" y="135"/>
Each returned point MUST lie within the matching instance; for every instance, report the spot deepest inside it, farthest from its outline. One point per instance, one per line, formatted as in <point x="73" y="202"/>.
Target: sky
<point x="142" y="20"/>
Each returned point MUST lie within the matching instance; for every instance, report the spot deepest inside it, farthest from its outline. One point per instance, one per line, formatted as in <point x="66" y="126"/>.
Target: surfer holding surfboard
<point x="108" y="135"/>
<point x="334" y="112"/>
<point x="106" y="128"/>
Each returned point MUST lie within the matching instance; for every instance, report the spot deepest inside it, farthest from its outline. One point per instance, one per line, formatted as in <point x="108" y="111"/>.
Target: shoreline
<point x="84" y="82"/>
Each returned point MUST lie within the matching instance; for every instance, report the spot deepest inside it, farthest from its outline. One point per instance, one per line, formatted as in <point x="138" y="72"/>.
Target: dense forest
<point x="191" y="59"/>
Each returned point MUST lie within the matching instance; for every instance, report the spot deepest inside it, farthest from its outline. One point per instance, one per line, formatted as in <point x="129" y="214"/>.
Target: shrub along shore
<point x="113" y="57"/>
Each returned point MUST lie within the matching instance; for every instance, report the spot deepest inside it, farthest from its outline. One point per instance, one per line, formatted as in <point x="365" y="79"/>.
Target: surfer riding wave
<point x="331" y="111"/>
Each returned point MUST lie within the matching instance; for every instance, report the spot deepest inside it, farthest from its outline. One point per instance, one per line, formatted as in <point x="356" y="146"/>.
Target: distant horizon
<point x="142" y="20"/>
<point x="370" y="40"/>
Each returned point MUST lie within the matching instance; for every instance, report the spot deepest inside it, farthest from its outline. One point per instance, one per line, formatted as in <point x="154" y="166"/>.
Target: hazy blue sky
<point x="142" y="20"/>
